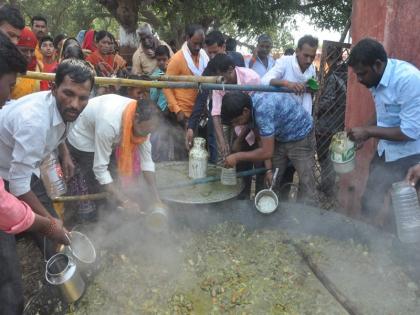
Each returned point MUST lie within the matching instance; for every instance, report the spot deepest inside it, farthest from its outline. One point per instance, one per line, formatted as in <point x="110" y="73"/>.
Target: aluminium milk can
<point x="198" y="159"/>
<point x="61" y="271"/>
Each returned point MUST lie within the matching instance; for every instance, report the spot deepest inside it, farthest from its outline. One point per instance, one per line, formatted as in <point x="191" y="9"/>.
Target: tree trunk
<point x="124" y="11"/>
<point x="345" y="31"/>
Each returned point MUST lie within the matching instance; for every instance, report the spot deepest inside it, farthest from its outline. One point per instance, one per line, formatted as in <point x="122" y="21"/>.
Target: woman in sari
<point x="106" y="61"/>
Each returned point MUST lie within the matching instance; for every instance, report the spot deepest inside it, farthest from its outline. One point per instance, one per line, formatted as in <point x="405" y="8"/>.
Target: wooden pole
<point x="344" y="301"/>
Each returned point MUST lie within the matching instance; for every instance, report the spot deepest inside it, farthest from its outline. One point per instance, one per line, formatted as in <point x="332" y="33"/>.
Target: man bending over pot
<point x="284" y="130"/>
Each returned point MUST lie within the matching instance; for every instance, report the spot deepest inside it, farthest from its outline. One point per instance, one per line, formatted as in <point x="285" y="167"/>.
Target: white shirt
<point x="287" y="68"/>
<point x="30" y="129"/>
<point x="259" y="66"/>
<point x="98" y="130"/>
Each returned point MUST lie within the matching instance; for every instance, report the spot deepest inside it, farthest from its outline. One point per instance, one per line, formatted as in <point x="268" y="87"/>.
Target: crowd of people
<point x="108" y="136"/>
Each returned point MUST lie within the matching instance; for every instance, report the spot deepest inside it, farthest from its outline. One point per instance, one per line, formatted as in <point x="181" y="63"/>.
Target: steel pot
<point x="266" y="201"/>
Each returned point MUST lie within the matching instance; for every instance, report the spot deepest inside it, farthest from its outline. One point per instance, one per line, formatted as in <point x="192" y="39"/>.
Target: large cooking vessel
<point x="292" y="218"/>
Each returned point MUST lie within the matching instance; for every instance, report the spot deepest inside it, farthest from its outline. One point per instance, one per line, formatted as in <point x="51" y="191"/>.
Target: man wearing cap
<point x="26" y="45"/>
<point x="262" y="60"/>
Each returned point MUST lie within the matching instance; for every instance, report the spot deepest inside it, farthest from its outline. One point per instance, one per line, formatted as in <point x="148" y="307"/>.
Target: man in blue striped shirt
<point x="283" y="129"/>
<point x="395" y="87"/>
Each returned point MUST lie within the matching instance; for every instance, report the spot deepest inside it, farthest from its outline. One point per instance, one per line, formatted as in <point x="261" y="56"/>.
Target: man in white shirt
<point x="33" y="126"/>
<point x="100" y="132"/>
<point x="293" y="71"/>
<point x="262" y="60"/>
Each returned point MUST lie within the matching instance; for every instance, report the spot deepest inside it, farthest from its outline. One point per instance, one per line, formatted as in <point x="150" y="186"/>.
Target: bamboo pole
<point x="168" y="78"/>
<point x="169" y="85"/>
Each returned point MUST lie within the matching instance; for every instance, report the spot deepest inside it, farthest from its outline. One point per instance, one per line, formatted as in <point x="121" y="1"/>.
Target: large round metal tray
<point x="173" y="173"/>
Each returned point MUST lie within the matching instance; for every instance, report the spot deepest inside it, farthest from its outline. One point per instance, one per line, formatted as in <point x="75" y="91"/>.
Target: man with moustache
<point x="293" y="71"/>
<point x="262" y="60"/>
<point x="214" y="44"/>
<point x="33" y="127"/>
<point x="40" y="28"/>
<point x="15" y="215"/>
<point x="394" y="85"/>
<point x="191" y="59"/>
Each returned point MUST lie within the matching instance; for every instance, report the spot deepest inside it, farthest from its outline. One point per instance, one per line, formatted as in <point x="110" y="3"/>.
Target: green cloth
<point x="157" y="95"/>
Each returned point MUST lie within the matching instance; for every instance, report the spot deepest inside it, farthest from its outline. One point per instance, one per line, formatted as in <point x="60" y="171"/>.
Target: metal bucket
<point x="62" y="271"/>
<point x="344" y="167"/>
<point x="342" y="153"/>
<point x="81" y="250"/>
<point x="228" y="176"/>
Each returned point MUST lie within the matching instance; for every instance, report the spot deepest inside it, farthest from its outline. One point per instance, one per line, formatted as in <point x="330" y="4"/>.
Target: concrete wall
<point x="396" y="24"/>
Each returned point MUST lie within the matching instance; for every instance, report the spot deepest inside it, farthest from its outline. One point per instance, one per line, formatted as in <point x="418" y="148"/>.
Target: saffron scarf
<point x="127" y="151"/>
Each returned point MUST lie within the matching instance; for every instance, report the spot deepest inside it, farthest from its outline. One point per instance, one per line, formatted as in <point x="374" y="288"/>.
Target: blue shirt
<point x="281" y="116"/>
<point x="156" y="95"/>
<point x="397" y="103"/>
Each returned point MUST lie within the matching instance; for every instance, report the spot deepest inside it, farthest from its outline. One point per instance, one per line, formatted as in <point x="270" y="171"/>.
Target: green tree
<point x="67" y="16"/>
<point x="241" y="18"/>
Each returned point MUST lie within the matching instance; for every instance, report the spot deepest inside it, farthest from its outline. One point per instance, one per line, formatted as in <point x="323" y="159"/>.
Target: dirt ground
<point x="32" y="267"/>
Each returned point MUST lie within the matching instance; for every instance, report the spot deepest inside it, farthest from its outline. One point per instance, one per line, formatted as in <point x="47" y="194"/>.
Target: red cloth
<point x="106" y="64"/>
<point x="15" y="215"/>
<point x="27" y="39"/>
<point x="48" y="68"/>
<point x="89" y="41"/>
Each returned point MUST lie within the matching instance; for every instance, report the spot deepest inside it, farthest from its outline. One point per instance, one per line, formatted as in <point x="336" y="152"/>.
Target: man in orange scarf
<point x="115" y="122"/>
<point x="26" y="45"/>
